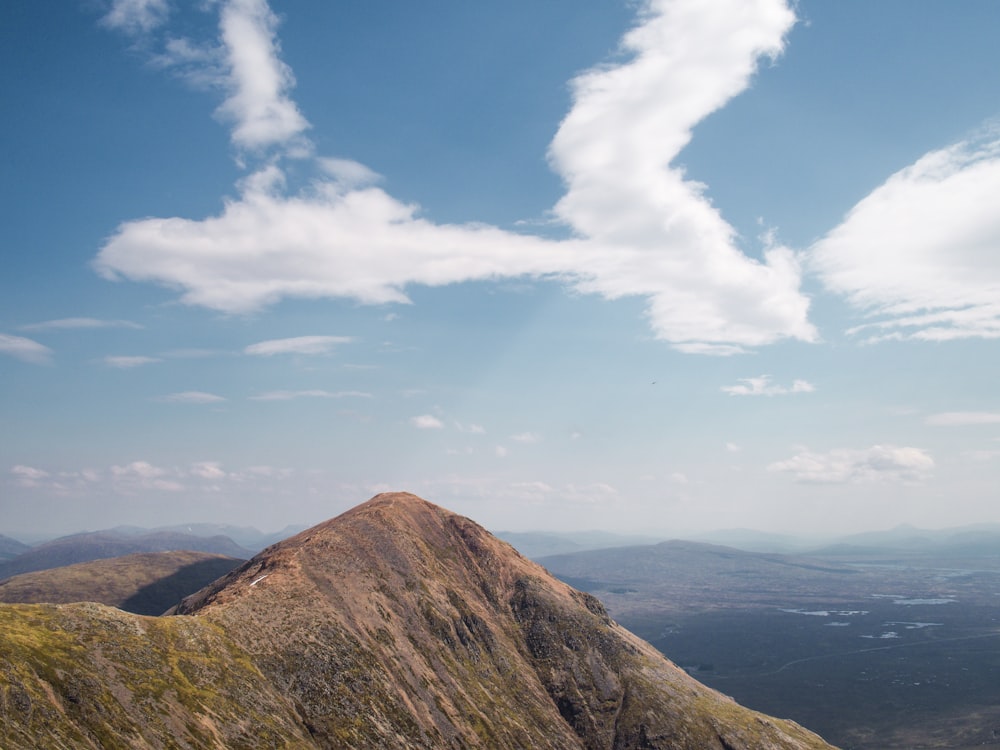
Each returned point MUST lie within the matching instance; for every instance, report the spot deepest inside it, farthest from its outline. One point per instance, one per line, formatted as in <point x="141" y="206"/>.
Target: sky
<point x="658" y="266"/>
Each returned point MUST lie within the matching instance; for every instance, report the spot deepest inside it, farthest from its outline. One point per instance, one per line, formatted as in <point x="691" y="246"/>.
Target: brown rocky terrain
<point x="395" y="625"/>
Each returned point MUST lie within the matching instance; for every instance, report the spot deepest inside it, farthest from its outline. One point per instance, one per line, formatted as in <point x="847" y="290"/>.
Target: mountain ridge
<point x="401" y="624"/>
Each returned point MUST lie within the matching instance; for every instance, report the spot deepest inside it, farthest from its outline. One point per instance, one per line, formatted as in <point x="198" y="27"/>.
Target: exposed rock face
<point x="395" y="625"/>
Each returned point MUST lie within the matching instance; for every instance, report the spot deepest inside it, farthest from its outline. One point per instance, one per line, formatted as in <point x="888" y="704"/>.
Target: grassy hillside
<point x="144" y="583"/>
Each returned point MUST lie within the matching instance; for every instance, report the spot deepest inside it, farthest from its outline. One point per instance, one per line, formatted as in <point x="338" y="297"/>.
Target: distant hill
<point x="628" y="578"/>
<point x="11" y="548"/>
<point x="146" y="583"/>
<point x="395" y="625"/>
<point x="535" y="544"/>
<point x="247" y="537"/>
<point x="99" y="545"/>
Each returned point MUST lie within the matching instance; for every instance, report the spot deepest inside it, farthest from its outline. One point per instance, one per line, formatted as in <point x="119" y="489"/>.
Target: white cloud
<point x="427" y="422"/>
<point x="78" y="323"/>
<point x="614" y="150"/>
<point x="349" y="175"/>
<point x="142" y="469"/>
<point x="25" y="349"/>
<point x="922" y="251"/>
<point x="500" y="451"/>
<point x="28" y="476"/>
<point x="191" y="397"/>
<point x="289" y="395"/>
<point x="259" y="81"/>
<point x="963" y="418"/>
<point x="143" y="475"/>
<point x="878" y="463"/>
<point x="135" y="16"/>
<point x="640" y="228"/>
<point x="208" y="470"/>
<point x="762" y="386"/>
<point x="127" y="362"/>
<point x="526" y="437"/>
<point x="733" y="447"/>
<point x="297" y="345"/>
<point x="472" y="429"/>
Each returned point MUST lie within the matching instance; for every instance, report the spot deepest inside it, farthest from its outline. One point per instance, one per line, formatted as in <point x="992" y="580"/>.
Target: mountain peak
<point x="399" y="623"/>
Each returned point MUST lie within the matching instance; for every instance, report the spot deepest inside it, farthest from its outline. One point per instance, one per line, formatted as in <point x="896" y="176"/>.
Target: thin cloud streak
<point x="297" y="345"/>
<point x="963" y="418"/>
<point x="25" y="349"/>
<point x="128" y="362"/>
<point x="79" y="323"/>
<point x="762" y="386"/>
<point x="290" y="395"/>
<point x="191" y="397"/>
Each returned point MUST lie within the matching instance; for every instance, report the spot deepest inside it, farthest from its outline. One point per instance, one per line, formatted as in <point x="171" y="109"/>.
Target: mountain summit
<point x="400" y="624"/>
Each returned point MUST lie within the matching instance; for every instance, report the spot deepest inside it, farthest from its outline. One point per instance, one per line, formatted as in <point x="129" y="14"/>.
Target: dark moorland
<point x="873" y="648"/>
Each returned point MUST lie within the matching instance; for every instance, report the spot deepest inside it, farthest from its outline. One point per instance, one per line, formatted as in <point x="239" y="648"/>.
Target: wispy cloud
<point x="143" y="475"/>
<point x="427" y="422"/>
<point x="28" y="476"/>
<point x="25" y="349"/>
<point x="140" y="475"/>
<point x="640" y="228"/>
<point x="136" y="16"/>
<point x="762" y="386"/>
<point x="289" y="395"/>
<point x="124" y="362"/>
<point x="526" y="437"/>
<point x="919" y="254"/>
<point x="78" y="323"/>
<point x="878" y="463"/>
<point x="963" y="418"/>
<point x="297" y="345"/>
<point x="191" y="397"/>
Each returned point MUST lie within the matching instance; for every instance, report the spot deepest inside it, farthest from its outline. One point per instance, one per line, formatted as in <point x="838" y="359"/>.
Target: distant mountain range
<point x="11" y="548"/>
<point x="99" y="545"/>
<point x="975" y="539"/>
<point x="534" y="544"/>
<point x="395" y="625"/>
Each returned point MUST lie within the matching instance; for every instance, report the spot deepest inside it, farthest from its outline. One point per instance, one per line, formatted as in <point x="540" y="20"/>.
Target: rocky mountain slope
<point x="397" y="624"/>
<point x="146" y="583"/>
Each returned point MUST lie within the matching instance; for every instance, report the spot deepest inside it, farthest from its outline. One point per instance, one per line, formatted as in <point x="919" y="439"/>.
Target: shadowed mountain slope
<point x="395" y="625"/>
<point x="146" y="583"/>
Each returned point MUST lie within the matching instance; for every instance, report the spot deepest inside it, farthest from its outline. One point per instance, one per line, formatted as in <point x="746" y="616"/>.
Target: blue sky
<point x="657" y="266"/>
